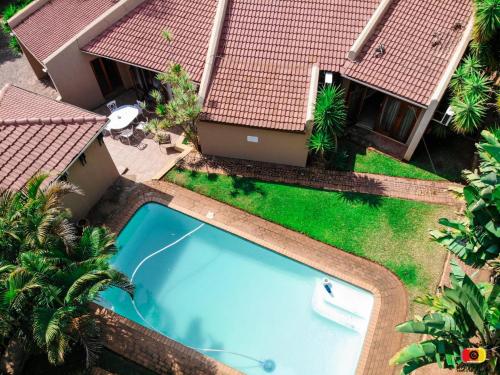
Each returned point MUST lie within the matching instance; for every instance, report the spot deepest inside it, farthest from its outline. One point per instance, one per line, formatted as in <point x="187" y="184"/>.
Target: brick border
<point x="367" y="183"/>
<point x="390" y="296"/>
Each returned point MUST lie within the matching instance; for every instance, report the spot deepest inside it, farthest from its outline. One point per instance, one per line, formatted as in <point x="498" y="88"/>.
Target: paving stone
<point x="396" y="187"/>
<point x="390" y="302"/>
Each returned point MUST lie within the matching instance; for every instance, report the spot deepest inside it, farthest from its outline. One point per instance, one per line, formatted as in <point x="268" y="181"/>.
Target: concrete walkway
<point x="15" y="69"/>
<point x="395" y="187"/>
<point x="391" y="299"/>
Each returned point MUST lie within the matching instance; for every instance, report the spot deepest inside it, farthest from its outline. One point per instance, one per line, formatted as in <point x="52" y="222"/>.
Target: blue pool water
<point x="212" y="289"/>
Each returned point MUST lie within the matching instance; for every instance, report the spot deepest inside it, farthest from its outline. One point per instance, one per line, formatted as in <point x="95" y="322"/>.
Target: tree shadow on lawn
<point x="366" y="199"/>
<point x="244" y="186"/>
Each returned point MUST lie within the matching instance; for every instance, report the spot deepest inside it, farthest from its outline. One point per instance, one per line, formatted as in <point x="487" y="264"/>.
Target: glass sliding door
<point x="382" y="113"/>
<point x="397" y="119"/>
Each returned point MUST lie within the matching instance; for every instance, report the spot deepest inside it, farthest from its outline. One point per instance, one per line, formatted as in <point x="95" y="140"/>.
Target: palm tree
<point x="322" y="143"/>
<point x="476" y="83"/>
<point x="487" y="19"/>
<point x="475" y="238"/>
<point x="470" y="111"/>
<point x="49" y="275"/>
<point x="463" y="316"/>
<point x="470" y="65"/>
<point x="34" y="217"/>
<point x="329" y="120"/>
<point x="46" y="296"/>
<point x="330" y="112"/>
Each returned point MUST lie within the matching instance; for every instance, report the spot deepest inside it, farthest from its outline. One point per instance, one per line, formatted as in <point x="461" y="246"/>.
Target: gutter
<point x="213" y="46"/>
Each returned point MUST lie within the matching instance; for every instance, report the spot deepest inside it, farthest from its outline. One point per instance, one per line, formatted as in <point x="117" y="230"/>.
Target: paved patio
<point x="391" y="299"/>
<point x="143" y="160"/>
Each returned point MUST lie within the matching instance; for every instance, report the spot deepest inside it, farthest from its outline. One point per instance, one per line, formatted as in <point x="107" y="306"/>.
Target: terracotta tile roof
<point x="136" y="38"/>
<point x="47" y="29"/>
<point x="412" y="66"/>
<point x="266" y="52"/>
<point x="259" y="94"/>
<point x="38" y="133"/>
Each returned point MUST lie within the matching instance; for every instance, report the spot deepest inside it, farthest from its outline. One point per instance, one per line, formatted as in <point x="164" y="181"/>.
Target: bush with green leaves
<point x="465" y="315"/>
<point x="475" y="237"/>
<point x="49" y="273"/>
<point x="182" y="110"/>
<point x="473" y="92"/>
<point x="329" y="120"/>
<point x="487" y="19"/>
<point x="9" y="11"/>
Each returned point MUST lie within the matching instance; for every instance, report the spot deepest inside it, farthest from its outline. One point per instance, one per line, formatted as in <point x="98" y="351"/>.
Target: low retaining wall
<point x="152" y="350"/>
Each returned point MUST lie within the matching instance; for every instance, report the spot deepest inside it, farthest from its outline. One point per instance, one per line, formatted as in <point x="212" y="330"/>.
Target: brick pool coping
<point x="390" y="296"/>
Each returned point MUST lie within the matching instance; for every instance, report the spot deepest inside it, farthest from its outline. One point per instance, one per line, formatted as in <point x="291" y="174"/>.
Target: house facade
<point x="39" y="134"/>
<point x="259" y="64"/>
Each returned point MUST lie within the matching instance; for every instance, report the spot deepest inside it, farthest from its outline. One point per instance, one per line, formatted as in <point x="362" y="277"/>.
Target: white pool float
<point x="332" y="307"/>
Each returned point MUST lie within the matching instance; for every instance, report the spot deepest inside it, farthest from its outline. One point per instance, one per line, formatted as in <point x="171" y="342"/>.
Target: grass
<point x="392" y="232"/>
<point x="375" y="162"/>
<point x="449" y="157"/>
<point x="365" y="160"/>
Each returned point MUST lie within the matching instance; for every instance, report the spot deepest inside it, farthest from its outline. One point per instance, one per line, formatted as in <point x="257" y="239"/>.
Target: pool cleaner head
<point x="268" y="365"/>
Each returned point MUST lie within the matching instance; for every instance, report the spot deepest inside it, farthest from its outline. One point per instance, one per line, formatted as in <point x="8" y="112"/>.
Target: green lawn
<point x="449" y="157"/>
<point x="363" y="160"/>
<point x="392" y="232"/>
<point x="375" y="162"/>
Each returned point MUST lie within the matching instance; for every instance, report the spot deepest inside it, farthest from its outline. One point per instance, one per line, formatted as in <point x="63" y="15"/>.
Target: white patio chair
<point x="142" y="126"/>
<point x="112" y="106"/>
<point x="127" y="134"/>
<point x="107" y="130"/>
<point x="138" y="106"/>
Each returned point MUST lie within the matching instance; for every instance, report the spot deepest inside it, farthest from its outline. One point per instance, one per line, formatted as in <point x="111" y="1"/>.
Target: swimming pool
<point x="210" y="289"/>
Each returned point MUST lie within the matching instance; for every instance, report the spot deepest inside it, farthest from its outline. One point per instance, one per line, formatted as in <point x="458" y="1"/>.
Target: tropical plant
<point x="182" y="110"/>
<point x="471" y="88"/>
<point x="469" y="110"/>
<point x="34" y="217"/>
<point x="330" y="112"/>
<point x="49" y="274"/>
<point x="9" y="11"/>
<point x="475" y="238"/>
<point x="487" y="19"/>
<point x="321" y="143"/>
<point x="329" y="120"/>
<point x="465" y="315"/>
<point x="476" y="83"/>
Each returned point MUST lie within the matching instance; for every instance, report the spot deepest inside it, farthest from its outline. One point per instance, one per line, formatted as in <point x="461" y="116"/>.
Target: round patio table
<point x="122" y="117"/>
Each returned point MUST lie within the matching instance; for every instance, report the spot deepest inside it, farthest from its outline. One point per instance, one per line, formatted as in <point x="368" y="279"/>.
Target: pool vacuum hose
<point x="267" y="365"/>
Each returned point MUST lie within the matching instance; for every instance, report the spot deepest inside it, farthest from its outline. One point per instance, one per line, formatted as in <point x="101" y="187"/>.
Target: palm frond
<point x="330" y="112"/>
<point x="487" y="19"/>
<point x="469" y="113"/>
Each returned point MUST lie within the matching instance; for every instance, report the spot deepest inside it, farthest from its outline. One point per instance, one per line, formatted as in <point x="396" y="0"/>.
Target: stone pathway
<point x="391" y="299"/>
<point x="396" y="187"/>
